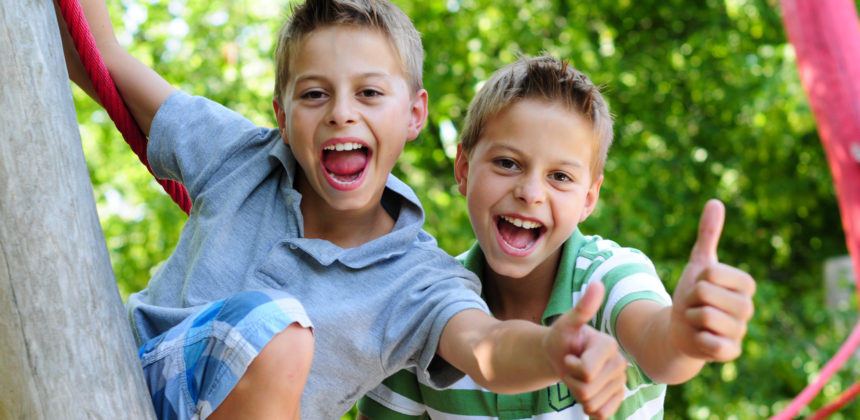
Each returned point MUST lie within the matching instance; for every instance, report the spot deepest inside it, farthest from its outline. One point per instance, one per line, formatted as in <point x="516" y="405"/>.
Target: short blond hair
<point x="379" y="15"/>
<point x="543" y="78"/>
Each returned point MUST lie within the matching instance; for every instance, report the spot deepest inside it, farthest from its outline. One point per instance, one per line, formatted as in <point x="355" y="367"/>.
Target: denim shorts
<point x="193" y="366"/>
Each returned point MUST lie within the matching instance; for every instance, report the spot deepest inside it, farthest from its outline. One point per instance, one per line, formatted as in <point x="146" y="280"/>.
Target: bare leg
<point x="272" y="386"/>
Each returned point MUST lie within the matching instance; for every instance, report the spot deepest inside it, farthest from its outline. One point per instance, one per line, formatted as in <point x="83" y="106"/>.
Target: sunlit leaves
<point x="707" y="103"/>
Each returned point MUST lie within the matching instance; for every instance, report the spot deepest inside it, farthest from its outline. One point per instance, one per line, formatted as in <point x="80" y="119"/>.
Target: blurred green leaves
<point x="707" y="103"/>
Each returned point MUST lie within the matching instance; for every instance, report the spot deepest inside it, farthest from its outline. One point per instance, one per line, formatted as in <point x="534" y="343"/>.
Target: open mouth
<point x="344" y="164"/>
<point x="519" y="235"/>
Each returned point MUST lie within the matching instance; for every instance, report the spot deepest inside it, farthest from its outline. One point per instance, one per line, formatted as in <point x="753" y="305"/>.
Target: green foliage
<point x="707" y="103"/>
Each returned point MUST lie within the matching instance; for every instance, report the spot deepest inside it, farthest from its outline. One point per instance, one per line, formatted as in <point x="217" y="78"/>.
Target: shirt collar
<point x="282" y="153"/>
<point x="397" y="197"/>
<point x="405" y="232"/>
<point x="561" y="299"/>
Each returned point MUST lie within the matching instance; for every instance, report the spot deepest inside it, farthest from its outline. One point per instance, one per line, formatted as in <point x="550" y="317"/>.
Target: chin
<point x="509" y="270"/>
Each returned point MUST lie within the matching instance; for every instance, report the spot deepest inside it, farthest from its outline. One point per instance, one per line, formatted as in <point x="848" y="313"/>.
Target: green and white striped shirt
<point x="628" y="276"/>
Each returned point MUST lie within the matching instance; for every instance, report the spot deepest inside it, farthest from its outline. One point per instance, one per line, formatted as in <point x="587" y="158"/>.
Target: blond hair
<point x="543" y="78"/>
<point x="379" y="15"/>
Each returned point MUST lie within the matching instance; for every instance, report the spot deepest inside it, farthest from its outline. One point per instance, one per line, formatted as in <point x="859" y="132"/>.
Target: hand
<point x="712" y="302"/>
<point x="588" y="361"/>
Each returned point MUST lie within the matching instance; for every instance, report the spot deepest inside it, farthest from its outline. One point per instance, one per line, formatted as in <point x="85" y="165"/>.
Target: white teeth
<point x="525" y="224"/>
<point x="343" y="146"/>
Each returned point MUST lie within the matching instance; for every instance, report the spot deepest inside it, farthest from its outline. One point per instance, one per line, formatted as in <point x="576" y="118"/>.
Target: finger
<point x="604" y="400"/>
<point x="595" y="394"/>
<point x="600" y="349"/>
<point x="716" y="348"/>
<point x="736" y="305"/>
<point x="586" y="308"/>
<point x="729" y="277"/>
<point x="598" y="376"/>
<point x="710" y="228"/>
<point x="614" y="396"/>
<point x="611" y="406"/>
<point x="717" y="322"/>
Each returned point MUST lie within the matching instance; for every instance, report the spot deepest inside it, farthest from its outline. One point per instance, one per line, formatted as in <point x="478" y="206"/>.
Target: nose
<point x="530" y="189"/>
<point x="342" y="111"/>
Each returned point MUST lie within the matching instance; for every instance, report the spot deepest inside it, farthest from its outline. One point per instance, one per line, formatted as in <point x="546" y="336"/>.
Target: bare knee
<point x="271" y="387"/>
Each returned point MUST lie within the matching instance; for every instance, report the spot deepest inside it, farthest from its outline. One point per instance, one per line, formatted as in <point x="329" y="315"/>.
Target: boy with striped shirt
<point x="530" y="163"/>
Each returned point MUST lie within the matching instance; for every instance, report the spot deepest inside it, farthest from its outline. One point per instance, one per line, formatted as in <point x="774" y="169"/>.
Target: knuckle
<point x="750" y="284"/>
<point x="727" y="353"/>
<point x="710" y="316"/>
<point x="700" y="290"/>
<point x="742" y="330"/>
<point x="583" y="395"/>
<point x="619" y="366"/>
<point x="592" y="409"/>
<point x="610" y="345"/>
<point x="599" y="414"/>
<point x="748" y="309"/>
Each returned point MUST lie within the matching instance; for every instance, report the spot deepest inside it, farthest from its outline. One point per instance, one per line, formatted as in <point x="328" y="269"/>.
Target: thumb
<point x="587" y="306"/>
<point x="710" y="227"/>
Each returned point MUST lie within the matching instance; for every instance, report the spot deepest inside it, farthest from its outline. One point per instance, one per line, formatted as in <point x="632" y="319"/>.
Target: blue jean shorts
<point x="193" y="366"/>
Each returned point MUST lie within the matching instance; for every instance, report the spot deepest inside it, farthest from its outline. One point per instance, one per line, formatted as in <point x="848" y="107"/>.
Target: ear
<point x="461" y="169"/>
<point x="281" y="116"/>
<point x="418" y="115"/>
<point x="591" y="198"/>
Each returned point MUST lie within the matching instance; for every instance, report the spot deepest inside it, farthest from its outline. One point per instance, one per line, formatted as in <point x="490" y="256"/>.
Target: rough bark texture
<point x="66" y="350"/>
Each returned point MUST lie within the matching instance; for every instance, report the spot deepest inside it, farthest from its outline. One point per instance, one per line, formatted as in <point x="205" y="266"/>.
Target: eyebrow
<point x="517" y="151"/>
<point x="365" y="75"/>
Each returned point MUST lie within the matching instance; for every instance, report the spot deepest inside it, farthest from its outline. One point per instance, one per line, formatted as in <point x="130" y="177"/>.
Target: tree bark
<point x="66" y="349"/>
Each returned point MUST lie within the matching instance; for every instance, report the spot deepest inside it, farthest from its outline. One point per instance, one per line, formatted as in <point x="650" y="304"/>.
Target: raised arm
<point x="711" y="307"/>
<point x="516" y="356"/>
<point x="142" y="89"/>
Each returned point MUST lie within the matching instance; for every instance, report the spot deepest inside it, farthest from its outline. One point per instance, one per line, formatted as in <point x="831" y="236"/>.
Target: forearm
<point x="142" y="90"/>
<point x="653" y="349"/>
<point x="75" y="67"/>
<point x="505" y="357"/>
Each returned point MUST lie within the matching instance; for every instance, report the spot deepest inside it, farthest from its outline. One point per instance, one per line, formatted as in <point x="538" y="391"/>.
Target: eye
<point x="313" y="94"/>
<point x="370" y="93"/>
<point x="560" y="177"/>
<point x="506" y="163"/>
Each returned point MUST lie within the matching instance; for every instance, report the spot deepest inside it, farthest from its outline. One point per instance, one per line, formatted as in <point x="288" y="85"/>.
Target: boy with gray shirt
<point x="300" y="243"/>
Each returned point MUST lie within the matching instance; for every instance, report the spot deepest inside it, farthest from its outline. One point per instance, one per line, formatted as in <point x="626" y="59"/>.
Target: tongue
<point x="345" y="163"/>
<point x="517" y="237"/>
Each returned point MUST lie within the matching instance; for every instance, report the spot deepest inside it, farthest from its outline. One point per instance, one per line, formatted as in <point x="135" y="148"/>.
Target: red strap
<point x="844" y="398"/>
<point x="826" y="38"/>
<point x="110" y="98"/>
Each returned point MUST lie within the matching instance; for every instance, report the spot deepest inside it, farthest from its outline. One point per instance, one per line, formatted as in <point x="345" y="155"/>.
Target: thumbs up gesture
<point x="712" y="303"/>
<point x="589" y="362"/>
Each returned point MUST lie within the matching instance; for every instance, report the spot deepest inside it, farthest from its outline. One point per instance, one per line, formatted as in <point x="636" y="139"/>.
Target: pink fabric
<point x="826" y="39"/>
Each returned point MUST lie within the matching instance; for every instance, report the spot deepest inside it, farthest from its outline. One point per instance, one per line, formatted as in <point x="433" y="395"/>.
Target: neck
<point x="344" y="228"/>
<point x="521" y="298"/>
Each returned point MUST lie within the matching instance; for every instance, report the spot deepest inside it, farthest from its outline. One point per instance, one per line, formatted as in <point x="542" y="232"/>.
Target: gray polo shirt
<point x="376" y="308"/>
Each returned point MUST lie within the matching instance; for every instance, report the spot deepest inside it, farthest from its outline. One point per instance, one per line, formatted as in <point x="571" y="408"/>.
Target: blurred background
<point x="707" y="103"/>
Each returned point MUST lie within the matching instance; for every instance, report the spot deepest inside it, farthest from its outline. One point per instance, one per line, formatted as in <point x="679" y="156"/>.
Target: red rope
<point x="110" y="98"/>
<point x="845" y="352"/>
<point x="844" y="398"/>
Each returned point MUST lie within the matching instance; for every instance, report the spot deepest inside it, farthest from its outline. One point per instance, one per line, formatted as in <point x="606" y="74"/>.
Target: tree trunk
<point x="66" y="349"/>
